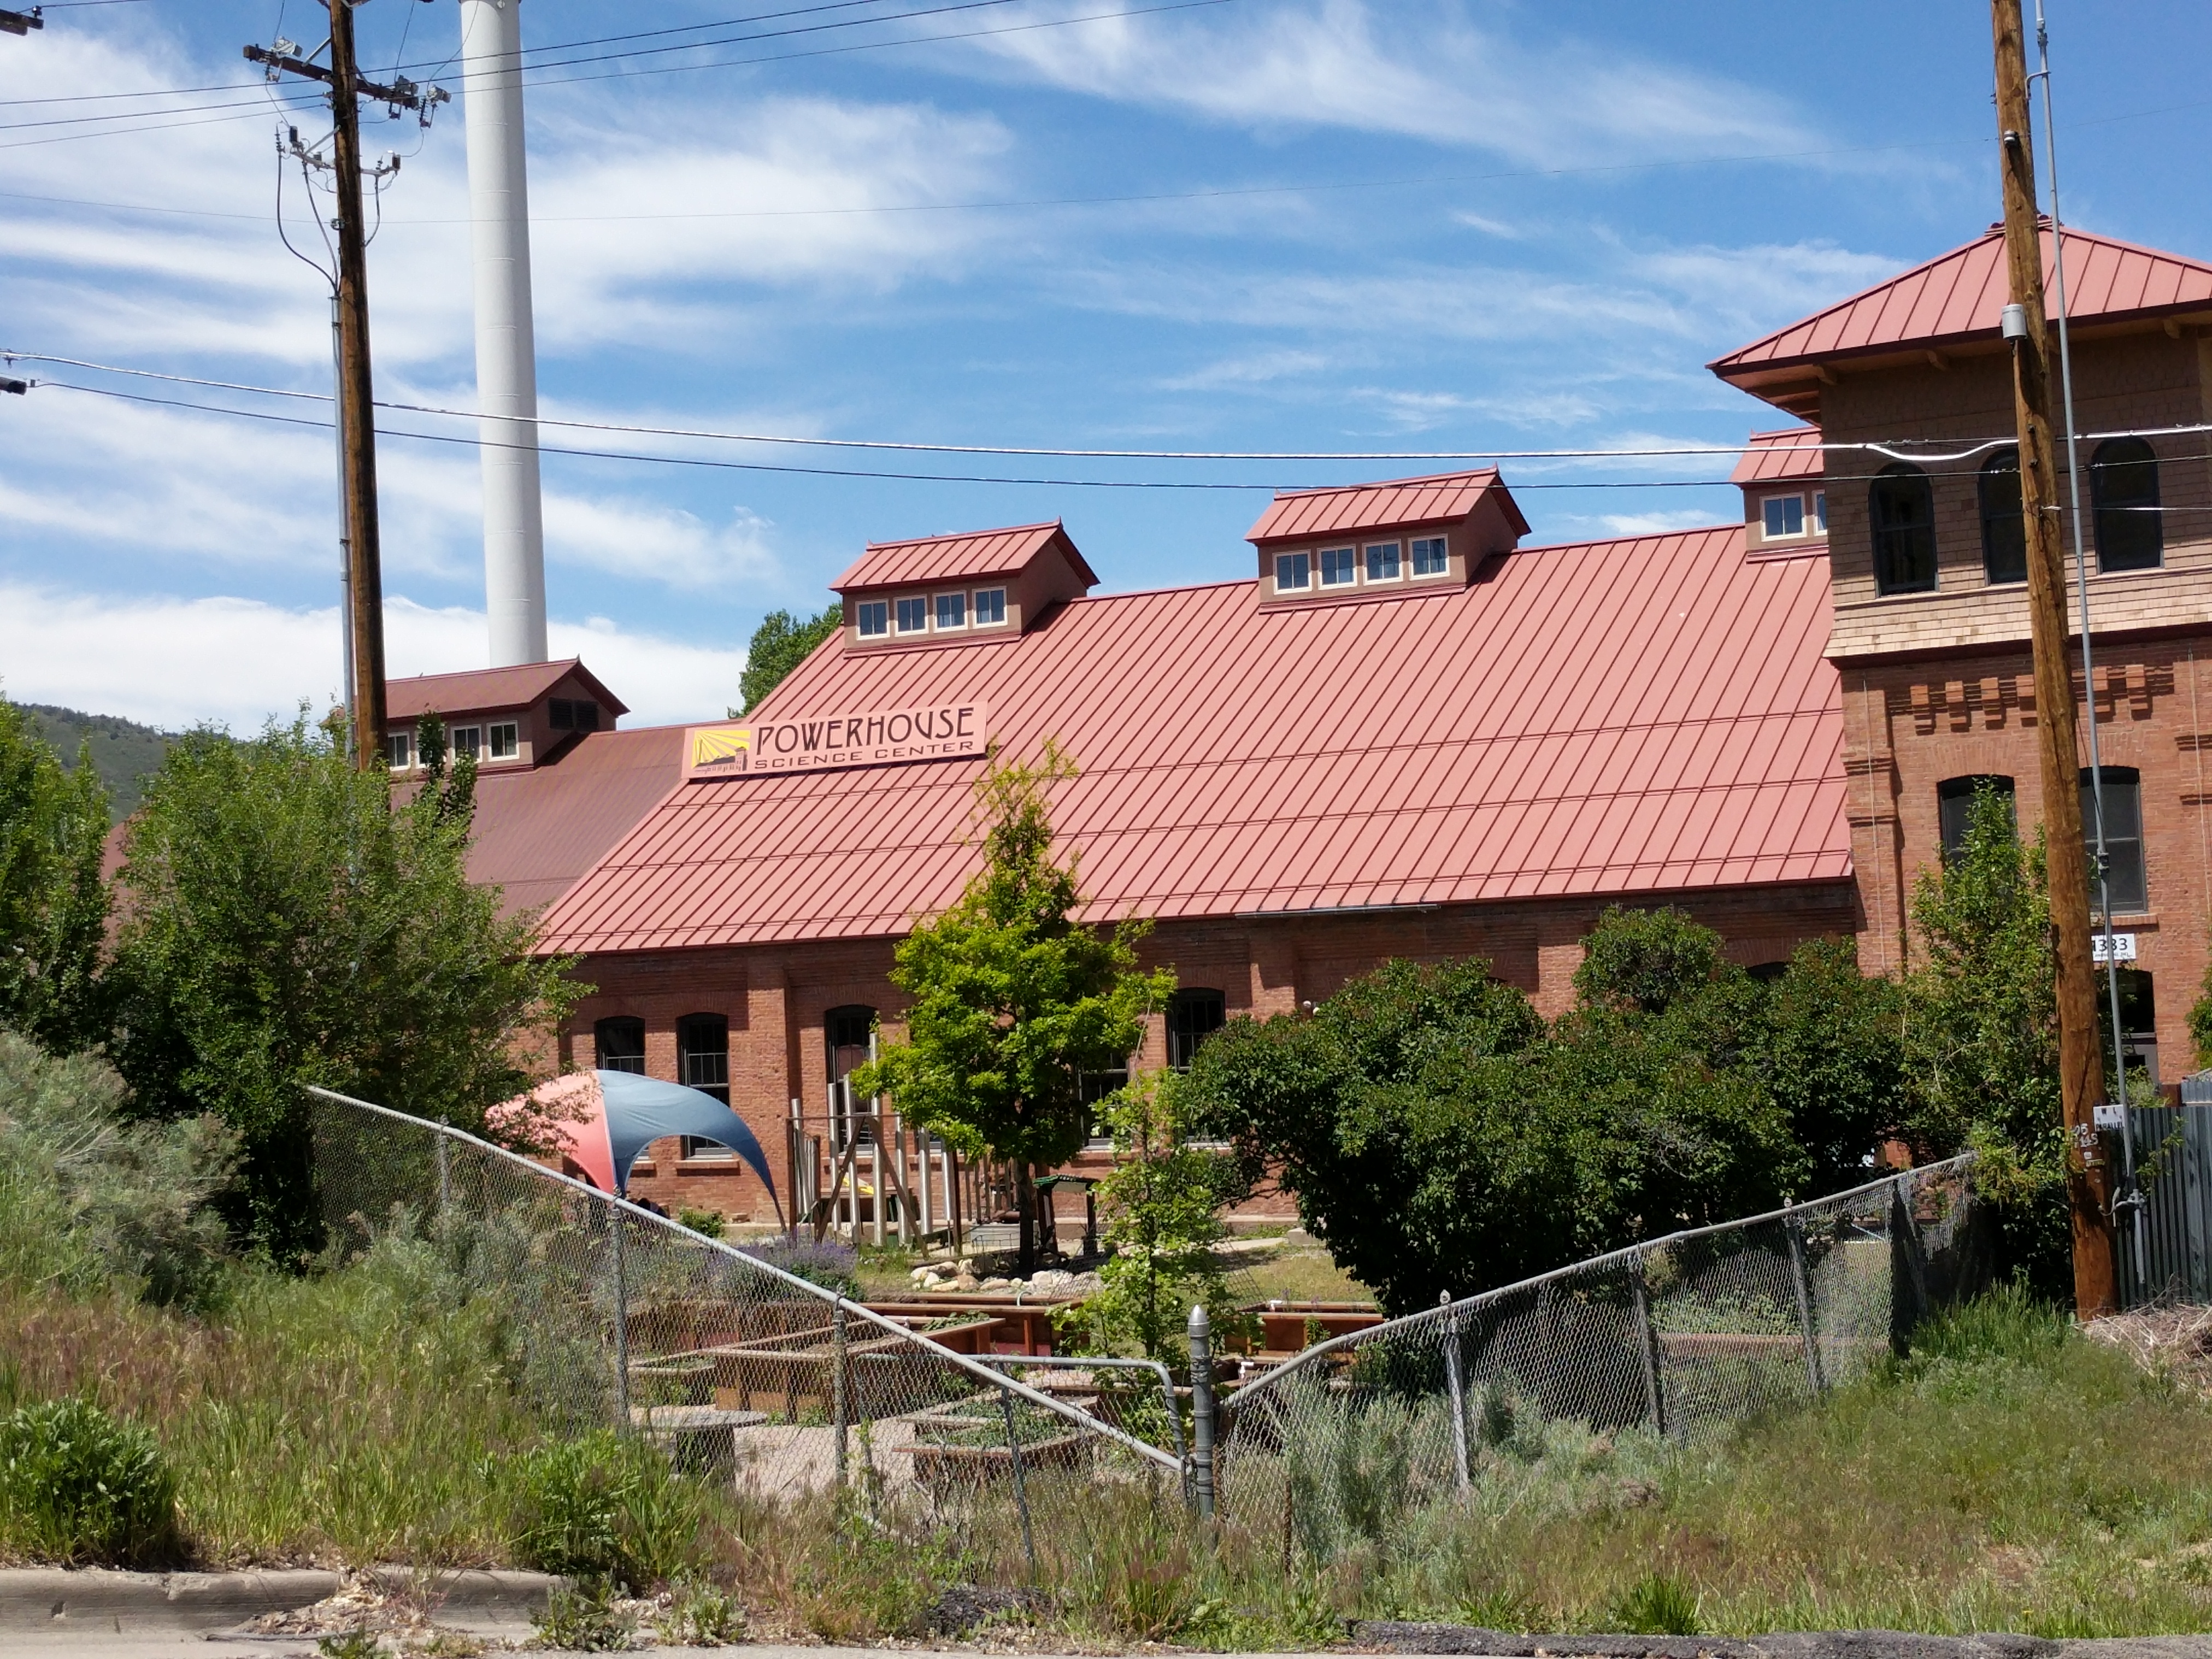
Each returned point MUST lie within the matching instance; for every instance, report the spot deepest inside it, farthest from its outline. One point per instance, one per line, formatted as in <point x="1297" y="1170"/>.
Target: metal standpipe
<point x="1201" y="1411"/>
<point x="840" y="1406"/>
<point x="622" y="1314"/>
<point x="1456" y="1386"/>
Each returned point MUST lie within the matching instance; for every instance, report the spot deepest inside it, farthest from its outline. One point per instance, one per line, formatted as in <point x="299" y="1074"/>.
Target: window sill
<point x="700" y="1166"/>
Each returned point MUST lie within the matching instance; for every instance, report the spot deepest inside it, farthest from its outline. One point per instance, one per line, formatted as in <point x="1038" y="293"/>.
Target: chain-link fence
<point x="607" y="1314"/>
<point x="1367" y="1434"/>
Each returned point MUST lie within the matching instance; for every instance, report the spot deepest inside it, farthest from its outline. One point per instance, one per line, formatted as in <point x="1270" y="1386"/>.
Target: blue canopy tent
<point x="636" y="1111"/>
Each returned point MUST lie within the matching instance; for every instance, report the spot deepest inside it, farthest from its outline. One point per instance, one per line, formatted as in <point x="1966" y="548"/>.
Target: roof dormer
<point x="1783" y="476"/>
<point x="1382" y="541"/>
<point x="525" y="716"/>
<point x="960" y="589"/>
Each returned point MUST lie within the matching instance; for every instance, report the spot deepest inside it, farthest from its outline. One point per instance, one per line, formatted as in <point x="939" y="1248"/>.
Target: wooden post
<point x="876" y="1178"/>
<point x="922" y="1139"/>
<point x="2080" y="1073"/>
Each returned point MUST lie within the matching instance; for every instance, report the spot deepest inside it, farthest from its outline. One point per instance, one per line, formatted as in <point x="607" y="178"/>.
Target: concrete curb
<point x="1390" y="1637"/>
<point x="58" y="1600"/>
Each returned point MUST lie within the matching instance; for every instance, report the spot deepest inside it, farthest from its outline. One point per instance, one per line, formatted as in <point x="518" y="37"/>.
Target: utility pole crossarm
<point x="401" y="94"/>
<point x="22" y="22"/>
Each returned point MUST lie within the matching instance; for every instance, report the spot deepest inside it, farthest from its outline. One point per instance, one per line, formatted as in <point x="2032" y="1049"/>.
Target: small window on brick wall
<point x="1955" y="806"/>
<point x="2126" y="882"/>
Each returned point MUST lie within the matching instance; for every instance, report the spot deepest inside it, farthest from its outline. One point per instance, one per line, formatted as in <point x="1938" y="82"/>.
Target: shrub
<point x="832" y="1266"/>
<point x="707" y="1224"/>
<point x="77" y="1485"/>
<point x="86" y="1196"/>
<point x="701" y="1616"/>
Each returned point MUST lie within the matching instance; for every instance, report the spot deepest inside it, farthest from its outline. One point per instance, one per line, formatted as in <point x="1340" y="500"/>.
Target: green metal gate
<point x="2166" y="1242"/>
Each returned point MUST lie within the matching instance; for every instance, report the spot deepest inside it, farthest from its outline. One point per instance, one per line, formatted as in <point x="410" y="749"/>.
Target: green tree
<point x="1984" y="1030"/>
<point x="1834" y="1054"/>
<point x="287" y="924"/>
<point x="1161" y="1202"/>
<point x="1012" y="998"/>
<point x="1397" y="1117"/>
<point x="53" y="900"/>
<point x="779" y="645"/>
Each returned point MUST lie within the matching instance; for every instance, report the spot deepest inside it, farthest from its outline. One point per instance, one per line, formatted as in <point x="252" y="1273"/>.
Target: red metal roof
<point x="490" y="688"/>
<point x="959" y="557"/>
<point x="1622" y="717"/>
<point x="539" y="828"/>
<point x="1401" y="505"/>
<point x="1961" y="296"/>
<point x="1770" y="457"/>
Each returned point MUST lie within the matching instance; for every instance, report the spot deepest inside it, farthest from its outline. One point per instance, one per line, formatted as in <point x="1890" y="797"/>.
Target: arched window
<point x="2124" y="489"/>
<point x="2126" y="882"/>
<point x="1902" y="509"/>
<point x="2004" y="531"/>
<point x="1193" y="1017"/>
<point x="1955" y="806"/>
<point x="619" y="1045"/>
<point x="702" y="1055"/>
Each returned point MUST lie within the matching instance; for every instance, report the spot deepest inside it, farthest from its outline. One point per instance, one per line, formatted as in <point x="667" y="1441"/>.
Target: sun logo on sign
<point x="721" y="748"/>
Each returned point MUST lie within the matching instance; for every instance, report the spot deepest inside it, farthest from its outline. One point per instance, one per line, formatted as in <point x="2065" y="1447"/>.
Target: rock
<point x="965" y="1282"/>
<point x="963" y="1607"/>
<point x="999" y="1285"/>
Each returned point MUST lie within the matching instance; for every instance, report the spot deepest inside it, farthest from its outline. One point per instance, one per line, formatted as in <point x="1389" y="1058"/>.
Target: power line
<point x="707" y="463"/>
<point x="1890" y="448"/>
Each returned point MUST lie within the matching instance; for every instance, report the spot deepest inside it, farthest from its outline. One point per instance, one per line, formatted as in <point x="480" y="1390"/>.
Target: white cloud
<point x="1653" y="523"/>
<point x="172" y="662"/>
<point x="1428" y="75"/>
<point x="1259" y="368"/>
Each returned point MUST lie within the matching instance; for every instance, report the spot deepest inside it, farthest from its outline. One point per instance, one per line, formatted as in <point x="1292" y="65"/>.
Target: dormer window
<point x="505" y="741"/>
<point x="402" y="745"/>
<point x="569" y="716"/>
<point x="468" y="740"/>
<point x="1293" y="572"/>
<point x="875" y="619"/>
<point x="1783" y="517"/>
<point x="1339" y="566"/>
<point x="980" y="584"/>
<point x="990" y="606"/>
<point x="913" y="616"/>
<point x="1382" y="562"/>
<point x="951" y="611"/>
<point x="1431" y="556"/>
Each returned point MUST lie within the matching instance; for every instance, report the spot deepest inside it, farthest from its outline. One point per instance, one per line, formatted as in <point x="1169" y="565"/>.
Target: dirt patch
<point x="2171" y="1339"/>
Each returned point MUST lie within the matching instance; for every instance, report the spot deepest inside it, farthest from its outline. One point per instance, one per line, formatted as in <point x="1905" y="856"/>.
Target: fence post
<point x="1021" y="1483"/>
<point x="1908" y="1291"/>
<point x="1201" y="1411"/>
<point x="445" y="1185"/>
<point x="622" y="1314"/>
<point x="840" y="1408"/>
<point x="1647" y="1344"/>
<point x="1458" y="1390"/>
<point x="1801" y="1280"/>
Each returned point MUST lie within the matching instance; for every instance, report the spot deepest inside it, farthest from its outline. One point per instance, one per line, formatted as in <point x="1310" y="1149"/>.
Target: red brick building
<point x="1409" y="735"/>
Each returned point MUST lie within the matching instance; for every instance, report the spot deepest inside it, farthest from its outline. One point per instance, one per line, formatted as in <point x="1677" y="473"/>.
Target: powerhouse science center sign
<point x="824" y="743"/>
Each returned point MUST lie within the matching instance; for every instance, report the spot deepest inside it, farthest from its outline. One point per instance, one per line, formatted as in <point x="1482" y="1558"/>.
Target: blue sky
<point x="1395" y="224"/>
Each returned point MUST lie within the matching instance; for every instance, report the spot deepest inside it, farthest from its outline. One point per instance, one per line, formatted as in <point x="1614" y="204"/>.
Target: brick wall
<point x="776" y="997"/>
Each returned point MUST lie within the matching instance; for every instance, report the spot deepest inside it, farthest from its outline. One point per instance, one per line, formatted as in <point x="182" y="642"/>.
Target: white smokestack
<point x="507" y="347"/>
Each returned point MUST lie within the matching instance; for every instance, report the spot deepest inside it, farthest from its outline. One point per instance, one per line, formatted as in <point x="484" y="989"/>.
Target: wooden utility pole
<point x="357" y="401"/>
<point x="2080" y="1069"/>
<point x="356" y="397"/>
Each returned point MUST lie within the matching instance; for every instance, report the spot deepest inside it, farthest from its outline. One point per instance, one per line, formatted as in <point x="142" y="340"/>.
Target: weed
<point x="582" y="1617"/>
<point x="77" y="1485"/>
<point x="701" y="1616"/>
<point x="349" y="1644"/>
<point x="707" y="1224"/>
<point x="602" y="1507"/>
<point x="1656" y="1605"/>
